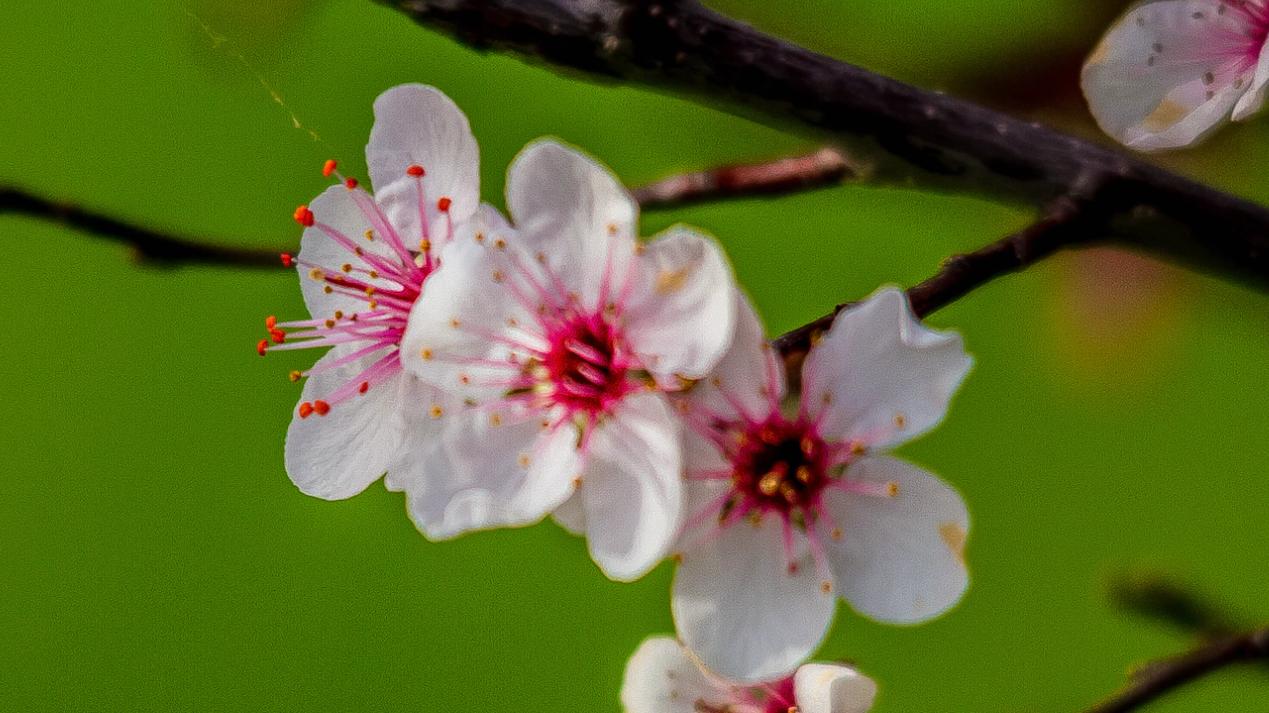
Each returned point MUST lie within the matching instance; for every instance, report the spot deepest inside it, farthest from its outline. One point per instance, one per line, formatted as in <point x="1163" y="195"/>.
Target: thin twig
<point x="1068" y="222"/>
<point x="1161" y="677"/>
<point x="825" y="167"/>
<point x="782" y="176"/>
<point x="1222" y="643"/>
<point x="149" y="245"/>
<point x="904" y="135"/>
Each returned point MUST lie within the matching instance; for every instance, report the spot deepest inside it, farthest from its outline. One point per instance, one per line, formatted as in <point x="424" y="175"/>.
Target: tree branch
<point x="1159" y="678"/>
<point x="825" y="167"/>
<point x="782" y="176"/>
<point x="1222" y="643"/>
<point x="149" y="245"/>
<point x="1068" y="222"/>
<point x="900" y="133"/>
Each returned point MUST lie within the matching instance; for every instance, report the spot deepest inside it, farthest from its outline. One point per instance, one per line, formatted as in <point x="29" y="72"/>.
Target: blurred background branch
<point x="1222" y="644"/>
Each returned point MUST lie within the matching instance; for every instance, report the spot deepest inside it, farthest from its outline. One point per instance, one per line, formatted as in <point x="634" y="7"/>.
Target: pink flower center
<point x="779" y="466"/>
<point x="585" y="370"/>
<point x="778" y="696"/>
<point x="385" y="278"/>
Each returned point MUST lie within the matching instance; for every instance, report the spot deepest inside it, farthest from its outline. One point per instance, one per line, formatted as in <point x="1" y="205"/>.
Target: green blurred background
<point x="154" y="556"/>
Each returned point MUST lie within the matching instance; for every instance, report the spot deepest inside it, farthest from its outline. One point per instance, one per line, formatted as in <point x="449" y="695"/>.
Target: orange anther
<point x="415" y="170"/>
<point x="304" y="216"/>
<point x="306" y="409"/>
<point x="277" y="335"/>
<point x="321" y="407"/>
<point x="365" y="386"/>
<point x="443" y="204"/>
<point x="262" y="346"/>
<point x="350" y="183"/>
<point x="329" y="167"/>
<point x="287" y="260"/>
<point x="270" y="322"/>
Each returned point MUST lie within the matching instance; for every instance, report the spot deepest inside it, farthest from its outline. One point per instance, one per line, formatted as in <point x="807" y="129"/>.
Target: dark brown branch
<point x="822" y="168"/>
<point x="150" y="246"/>
<point x="1161" y="677"/>
<point x="902" y="134"/>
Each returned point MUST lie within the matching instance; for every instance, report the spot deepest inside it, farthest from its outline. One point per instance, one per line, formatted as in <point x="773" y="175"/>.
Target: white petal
<point x="571" y="515"/>
<point x="739" y="608"/>
<point x="1170" y="72"/>
<point x="901" y="558"/>
<point x="1254" y="99"/>
<point x="337" y="455"/>
<point x="632" y="487"/>
<point x="748" y="381"/>
<point x="829" y="688"/>
<point x="574" y="212"/>
<point x="879" y="376"/>
<point x="417" y="124"/>
<point x="334" y="208"/>
<point x="468" y="321"/>
<point x="480" y="475"/>
<point x="662" y="678"/>
<point x="681" y="314"/>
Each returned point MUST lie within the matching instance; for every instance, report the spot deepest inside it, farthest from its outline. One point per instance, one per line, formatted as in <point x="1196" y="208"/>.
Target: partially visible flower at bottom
<point x="662" y="677"/>
<point x="793" y="505"/>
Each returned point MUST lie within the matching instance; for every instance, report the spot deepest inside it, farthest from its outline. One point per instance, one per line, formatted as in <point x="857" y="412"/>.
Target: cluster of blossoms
<point x="502" y="370"/>
<point x="1172" y="71"/>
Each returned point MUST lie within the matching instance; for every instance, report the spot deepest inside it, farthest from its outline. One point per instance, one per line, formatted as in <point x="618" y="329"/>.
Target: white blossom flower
<point x="788" y="509"/>
<point x="661" y="677"/>
<point x="561" y="339"/>
<point x="1172" y="71"/>
<point x="363" y="262"/>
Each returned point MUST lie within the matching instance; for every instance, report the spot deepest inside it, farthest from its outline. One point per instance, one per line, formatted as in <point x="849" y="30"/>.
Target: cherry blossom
<point x="562" y="339"/>
<point x="791" y="506"/>
<point x="363" y="262"/>
<point x="1171" y="71"/>
<point x="662" y="677"/>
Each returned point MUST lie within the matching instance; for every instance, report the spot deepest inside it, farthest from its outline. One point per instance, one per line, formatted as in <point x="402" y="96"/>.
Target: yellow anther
<point x="789" y="492"/>
<point x="346" y="267"/>
<point x="436" y="411"/>
<point x="370" y="235"/>
<point x="426" y="354"/>
<point x="804" y="474"/>
<point x="769" y="484"/>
